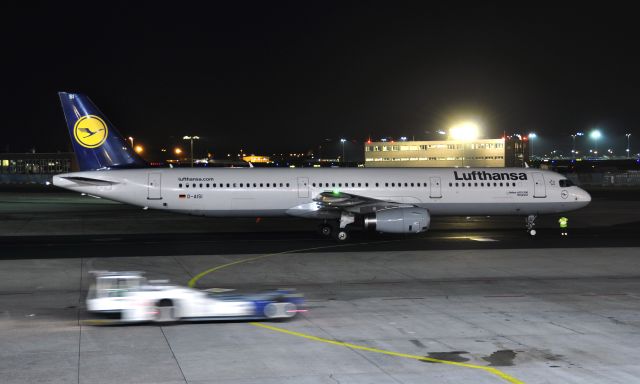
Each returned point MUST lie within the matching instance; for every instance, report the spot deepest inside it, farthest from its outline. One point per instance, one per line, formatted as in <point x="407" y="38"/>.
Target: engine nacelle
<point x="399" y="220"/>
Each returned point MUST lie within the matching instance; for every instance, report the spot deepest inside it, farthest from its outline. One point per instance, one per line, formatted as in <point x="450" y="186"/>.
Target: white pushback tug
<point x="134" y="299"/>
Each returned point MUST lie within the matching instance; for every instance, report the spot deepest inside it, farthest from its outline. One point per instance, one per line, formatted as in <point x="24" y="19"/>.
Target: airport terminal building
<point x="509" y="152"/>
<point x="34" y="167"/>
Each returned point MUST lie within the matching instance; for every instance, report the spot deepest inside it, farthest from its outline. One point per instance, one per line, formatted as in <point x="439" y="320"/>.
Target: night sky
<point x="279" y="76"/>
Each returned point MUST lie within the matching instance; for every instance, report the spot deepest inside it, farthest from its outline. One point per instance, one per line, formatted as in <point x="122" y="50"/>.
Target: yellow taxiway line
<point x="491" y="370"/>
<point x="200" y="275"/>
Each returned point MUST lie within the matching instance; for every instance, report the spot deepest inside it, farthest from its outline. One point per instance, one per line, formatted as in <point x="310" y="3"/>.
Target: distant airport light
<point x="177" y="151"/>
<point x="468" y="130"/>
<point x="191" y="138"/>
<point x="532" y="135"/>
<point x="441" y="132"/>
<point x="139" y="149"/>
<point x="403" y="138"/>
<point x="595" y="135"/>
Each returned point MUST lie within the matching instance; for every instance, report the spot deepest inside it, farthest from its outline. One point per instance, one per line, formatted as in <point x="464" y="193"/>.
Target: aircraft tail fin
<point x="96" y="142"/>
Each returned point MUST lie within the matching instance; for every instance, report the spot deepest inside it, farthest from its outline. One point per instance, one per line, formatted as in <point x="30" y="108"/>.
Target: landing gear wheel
<point x="342" y="235"/>
<point x="531" y="224"/>
<point x="325" y="229"/>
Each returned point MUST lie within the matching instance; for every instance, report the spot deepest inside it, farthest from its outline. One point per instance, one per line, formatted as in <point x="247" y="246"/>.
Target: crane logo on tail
<point x="90" y="131"/>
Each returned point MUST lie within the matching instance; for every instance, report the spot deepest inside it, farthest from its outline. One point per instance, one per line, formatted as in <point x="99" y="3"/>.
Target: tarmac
<point x="474" y="300"/>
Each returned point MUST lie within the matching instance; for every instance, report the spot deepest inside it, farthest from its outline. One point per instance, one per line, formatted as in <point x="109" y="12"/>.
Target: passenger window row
<point x="275" y="185"/>
<point x="482" y="184"/>
<point x="234" y="185"/>
<point x="354" y="185"/>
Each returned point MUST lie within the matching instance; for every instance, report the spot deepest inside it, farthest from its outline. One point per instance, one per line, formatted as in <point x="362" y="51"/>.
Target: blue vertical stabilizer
<point x="96" y="142"/>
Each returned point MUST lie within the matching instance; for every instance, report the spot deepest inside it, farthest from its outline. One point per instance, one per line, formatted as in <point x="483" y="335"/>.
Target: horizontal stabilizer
<point x="89" y="181"/>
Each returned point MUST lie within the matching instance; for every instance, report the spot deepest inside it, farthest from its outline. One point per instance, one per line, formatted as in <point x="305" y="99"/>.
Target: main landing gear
<point x="325" y="229"/>
<point x="337" y="228"/>
<point x="531" y="224"/>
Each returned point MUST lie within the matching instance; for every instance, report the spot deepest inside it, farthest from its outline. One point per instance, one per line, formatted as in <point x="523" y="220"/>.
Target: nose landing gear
<point x="531" y="224"/>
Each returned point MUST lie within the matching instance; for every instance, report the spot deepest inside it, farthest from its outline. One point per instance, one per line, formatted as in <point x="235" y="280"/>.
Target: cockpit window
<point x="566" y="183"/>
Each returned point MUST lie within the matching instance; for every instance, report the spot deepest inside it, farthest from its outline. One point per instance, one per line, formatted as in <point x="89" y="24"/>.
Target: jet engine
<point x="398" y="220"/>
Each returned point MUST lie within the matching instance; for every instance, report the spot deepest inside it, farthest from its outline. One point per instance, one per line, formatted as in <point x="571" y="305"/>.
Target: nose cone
<point x="583" y="197"/>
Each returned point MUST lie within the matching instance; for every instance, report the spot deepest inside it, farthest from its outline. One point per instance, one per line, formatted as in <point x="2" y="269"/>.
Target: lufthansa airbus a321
<point x="391" y="200"/>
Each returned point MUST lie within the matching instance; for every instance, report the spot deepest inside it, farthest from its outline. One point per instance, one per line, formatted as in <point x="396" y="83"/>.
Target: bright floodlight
<point x="595" y="134"/>
<point x="465" y="131"/>
<point x="342" y="140"/>
<point x="532" y="135"/>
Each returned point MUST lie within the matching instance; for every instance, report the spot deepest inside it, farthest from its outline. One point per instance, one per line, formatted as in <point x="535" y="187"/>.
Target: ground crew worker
<point x="564" y="223"/>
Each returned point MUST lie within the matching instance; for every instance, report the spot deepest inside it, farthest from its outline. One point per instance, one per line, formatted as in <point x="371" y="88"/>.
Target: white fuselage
<point x="261" y="192"/>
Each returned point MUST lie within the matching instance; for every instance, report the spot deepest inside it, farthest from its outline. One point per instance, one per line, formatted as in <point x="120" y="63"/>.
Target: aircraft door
<point x="303" y="187"/>
<point x="435" y="190"/>
<point x="154" y="190"/>
<point x="539" y="189"/>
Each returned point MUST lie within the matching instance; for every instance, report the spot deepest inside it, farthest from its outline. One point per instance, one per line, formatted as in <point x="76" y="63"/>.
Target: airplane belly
<point x="249" y="205"/>
<point x="244" y="204"/>
<point x="492" y="208"/>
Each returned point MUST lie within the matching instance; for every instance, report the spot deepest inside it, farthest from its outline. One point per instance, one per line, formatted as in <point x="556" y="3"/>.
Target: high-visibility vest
<point x="563" y="222"/>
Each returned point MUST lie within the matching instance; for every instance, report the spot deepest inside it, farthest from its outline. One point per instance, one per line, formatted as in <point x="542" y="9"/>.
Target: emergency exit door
<point x="154" y="190"/>
<point x="303" y="187"/>
<point x="435" y="190"/>
<point x="539" y="189"/>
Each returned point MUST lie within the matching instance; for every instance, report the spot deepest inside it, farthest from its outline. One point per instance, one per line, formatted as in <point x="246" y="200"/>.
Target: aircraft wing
<point x="355" y="203"/>
<point x="330" y="205"/>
